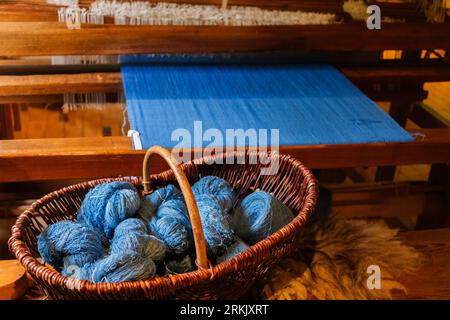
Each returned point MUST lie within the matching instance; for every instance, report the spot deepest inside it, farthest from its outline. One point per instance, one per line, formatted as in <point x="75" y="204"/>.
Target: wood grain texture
<point x="53" y="84"/>
<point x="13" y="280"/>
<point x="67" y="158"/>
<point x="47" y="38"/>
<point x="432" y="281"/>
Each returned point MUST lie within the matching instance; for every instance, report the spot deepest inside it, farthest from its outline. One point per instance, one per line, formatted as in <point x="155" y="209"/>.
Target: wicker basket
<point x="293" y="184"/>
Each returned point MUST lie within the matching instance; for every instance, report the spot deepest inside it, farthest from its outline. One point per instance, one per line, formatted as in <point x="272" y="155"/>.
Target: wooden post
<point x="431" y="218"/>
<point x="6" y="122"/>
<point x="400" y="109"/>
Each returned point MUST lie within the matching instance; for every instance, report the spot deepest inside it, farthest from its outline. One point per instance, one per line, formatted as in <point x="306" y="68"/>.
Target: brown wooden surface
<point x="13" y="280"/>
<point x="6" y="122"/>
<point x="52" y="84"/>
<point x="67" y="158"/>
<point x="47" y="38"/>
<point x="432" y="281"/>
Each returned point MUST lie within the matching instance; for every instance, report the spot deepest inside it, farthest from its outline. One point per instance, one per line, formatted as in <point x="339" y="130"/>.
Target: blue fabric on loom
<point x="309" y="104"/>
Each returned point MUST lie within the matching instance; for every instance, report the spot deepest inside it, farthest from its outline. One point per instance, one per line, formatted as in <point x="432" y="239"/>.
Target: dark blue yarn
<point x="215" y="223"/>
<point x="180" y="265"/>
<point x="81" y="243"/>
<point x="217" y="187"/>
<point x="171" y="224"/>
<point x="151" y="202"/>
<point x="259" y="215"/>
<point x="233" y="250"/>
<point x="106" y="205"/>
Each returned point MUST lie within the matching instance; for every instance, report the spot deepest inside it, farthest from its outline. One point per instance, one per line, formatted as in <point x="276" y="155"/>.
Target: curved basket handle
<point x="194" y="216"/>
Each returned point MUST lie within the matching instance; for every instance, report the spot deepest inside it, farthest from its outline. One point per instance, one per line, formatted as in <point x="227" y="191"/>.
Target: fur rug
<point x="333" y="259"/>
<point x="433" y="9"/>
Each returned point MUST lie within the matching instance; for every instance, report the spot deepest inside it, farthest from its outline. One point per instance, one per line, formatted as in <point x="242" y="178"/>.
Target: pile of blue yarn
<point x="119" y="236"/>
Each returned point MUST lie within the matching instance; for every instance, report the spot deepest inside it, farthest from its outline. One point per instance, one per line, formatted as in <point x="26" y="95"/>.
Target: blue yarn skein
<point x="132" y="237"/>
<point x="151" y="202"/>
<point x="76" y="240"/>
<point x="118" y="268"/>
<point x="217" y="187"/>
<point x="133" y="253"/>
<point x="106" y="205"/>
<point x="233" y="250"/>
<point x="259" y="215"/>
<point x="171" y="224"/>
<point x="215" y="223"/>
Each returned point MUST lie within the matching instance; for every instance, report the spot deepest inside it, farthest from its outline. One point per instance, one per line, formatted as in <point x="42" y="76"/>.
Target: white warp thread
<point x="145" y="13"/>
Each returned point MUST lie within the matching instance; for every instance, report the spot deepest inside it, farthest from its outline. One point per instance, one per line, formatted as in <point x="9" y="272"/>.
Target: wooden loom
<point x="30" y="28"/>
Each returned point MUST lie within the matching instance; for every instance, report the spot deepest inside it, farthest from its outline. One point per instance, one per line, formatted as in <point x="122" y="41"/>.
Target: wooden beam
<point x="47" y="38"/>
<point x="73" y="158"/>
<point x="58" y="84"/>
<point x="403" y="75"/>
<point x="52" y="84"/>
<point x="33" y="99"/>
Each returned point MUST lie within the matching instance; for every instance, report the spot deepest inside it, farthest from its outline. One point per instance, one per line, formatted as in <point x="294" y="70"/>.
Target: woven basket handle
<point x="194" y="216"/>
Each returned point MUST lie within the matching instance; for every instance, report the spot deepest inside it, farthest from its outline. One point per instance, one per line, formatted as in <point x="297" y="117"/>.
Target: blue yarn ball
<point x="180" y="265"/>
<point x="132" y="256"/>
<point x="118" y="268"/>
<point x="151" y="202"/>
<point x="106" y="205"/>
<point x="171" y="225"/>
<point x="238" y="246"/>
<point x="259" y="215"/>
<point x="215" y="223"/>
<point x="215" y="186"/>
<point x="131" y="237"/>
<point x="80" y="242"/>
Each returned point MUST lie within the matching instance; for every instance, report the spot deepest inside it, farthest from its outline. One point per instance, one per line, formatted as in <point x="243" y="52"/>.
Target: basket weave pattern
<point x="293" y="184"/>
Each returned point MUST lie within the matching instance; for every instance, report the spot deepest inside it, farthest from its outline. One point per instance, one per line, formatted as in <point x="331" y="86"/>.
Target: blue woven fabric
<point x="309" y="104"/>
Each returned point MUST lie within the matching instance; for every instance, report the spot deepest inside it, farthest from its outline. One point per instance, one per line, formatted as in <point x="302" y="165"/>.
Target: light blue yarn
<point x="217" y="187"/>
<point x="133" y="253"/>
<point x="80" y="242"/>
<point x="118" y="268"/>
<point x="151" y="202"/>
<point x="106" y="205"/>
<point x="233" y="250"/>
<point x="131" y="237"/>
<point x="215" y="223"/>
<point x="171" y="224"/>
<point x="259" y="215"/>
